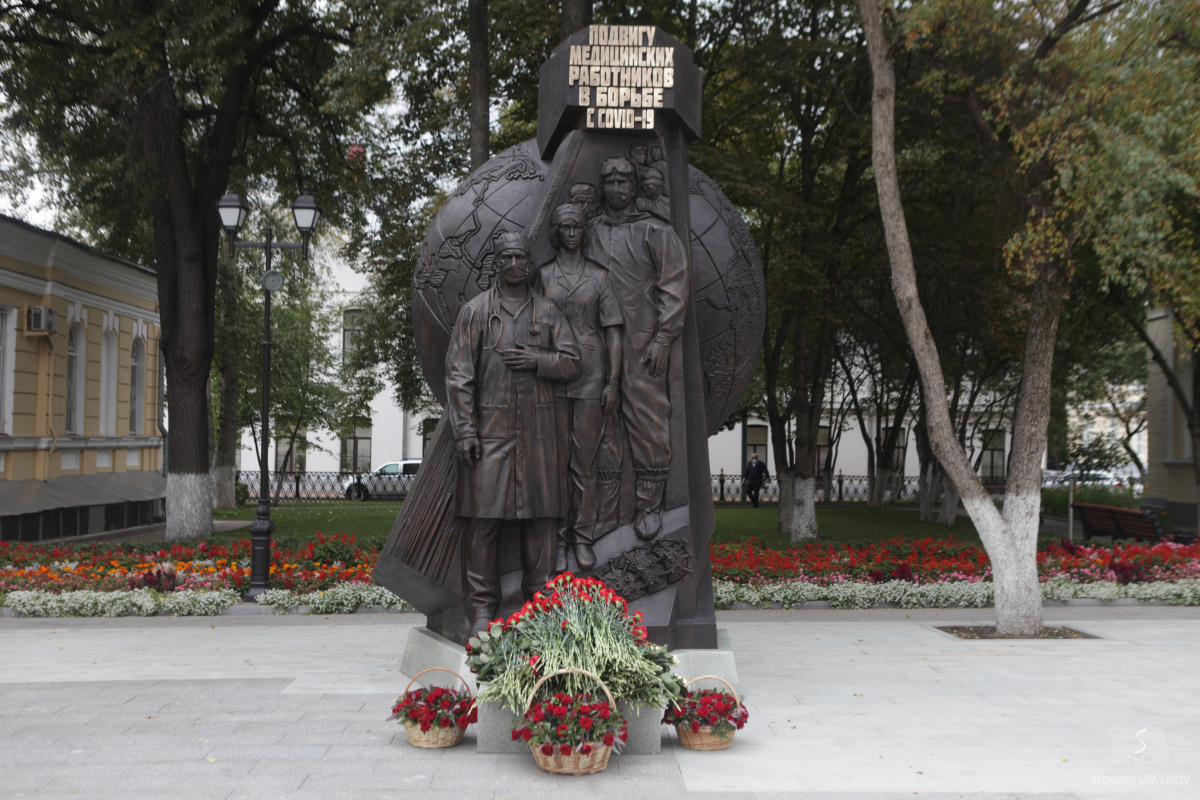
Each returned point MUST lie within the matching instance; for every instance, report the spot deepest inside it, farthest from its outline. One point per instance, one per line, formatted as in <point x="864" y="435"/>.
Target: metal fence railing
<point x="842" y="489"/>
<point x="327" y="487"/>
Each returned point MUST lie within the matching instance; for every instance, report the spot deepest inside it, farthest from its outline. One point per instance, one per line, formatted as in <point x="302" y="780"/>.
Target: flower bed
<point x="332" y="575"/>
<point x="928" y="561"/>
<point x="317" y="566"/>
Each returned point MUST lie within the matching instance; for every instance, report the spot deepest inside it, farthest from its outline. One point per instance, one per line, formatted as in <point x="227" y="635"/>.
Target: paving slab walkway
<point x="843" y="704"/>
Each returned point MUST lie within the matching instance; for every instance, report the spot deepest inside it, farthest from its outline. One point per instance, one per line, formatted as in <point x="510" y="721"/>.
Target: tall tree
<point x="148" y="111"/>
<point x="1010" y="537"/>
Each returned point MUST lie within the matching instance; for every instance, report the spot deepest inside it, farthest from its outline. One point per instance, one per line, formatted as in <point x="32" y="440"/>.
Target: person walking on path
<point x="753" y="477"/>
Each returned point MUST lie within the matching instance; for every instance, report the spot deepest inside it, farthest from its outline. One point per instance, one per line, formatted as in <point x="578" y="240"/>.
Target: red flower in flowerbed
<point x="919" y="561"/>
<point x="931" y="560"/>
<point x="565" y="723"/>
<point x="316" y="566"/>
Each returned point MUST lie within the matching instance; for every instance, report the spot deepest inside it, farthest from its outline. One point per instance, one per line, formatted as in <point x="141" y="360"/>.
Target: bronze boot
<point x="647" y="522"/>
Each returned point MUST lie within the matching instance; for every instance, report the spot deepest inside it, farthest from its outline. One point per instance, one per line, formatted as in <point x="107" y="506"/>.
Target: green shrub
<point x="241" y="494"/>
<point x="1056" y="500"/>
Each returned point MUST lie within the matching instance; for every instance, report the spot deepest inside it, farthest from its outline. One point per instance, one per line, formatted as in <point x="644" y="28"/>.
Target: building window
<point x="901" y="449"/>
<point x="991" y="466"/>
<point x="356" y="449"/>
<point x="137" y="387"/>
<point x="7" y="344"/>
<point x="351" y="330"/>
<point x="289" y="458"/>
<point x="756" y="442"/>
<point x="76" y="362"/>
<point x="108" y="384"/>
<point x="822" y="447"/>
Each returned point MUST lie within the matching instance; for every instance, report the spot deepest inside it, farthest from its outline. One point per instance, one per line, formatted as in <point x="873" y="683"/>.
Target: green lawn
<point x="371" y="523"/>
<point x="301" y="522"/>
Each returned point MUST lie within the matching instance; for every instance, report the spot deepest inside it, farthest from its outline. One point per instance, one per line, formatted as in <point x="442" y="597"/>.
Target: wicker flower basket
<point x="435" y="737"/>
<point x="576" y="763"/>
<point x="706" y="738"/>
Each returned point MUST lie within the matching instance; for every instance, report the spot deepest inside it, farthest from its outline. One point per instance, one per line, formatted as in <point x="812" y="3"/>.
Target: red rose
<point x="565" y="749"/>
<point x="604" y="712"/>
<point x="516" y="734"/>
<point x="585" y="723"/>
<point x="547" y="749"/>
<point x="563" y="730"/>
<point x="425" y="726"/>
<point x="538" y="716"/>
<point x="695" y="726"/>
<point x="446" y="723"/>
<point x="585" y="749"/>
<point x="527" y="735"/>
<point x="609" y="739"/>
<point x="712" y="720"/>
<point x="560" y="711"/>
<point x="564" y="624"/>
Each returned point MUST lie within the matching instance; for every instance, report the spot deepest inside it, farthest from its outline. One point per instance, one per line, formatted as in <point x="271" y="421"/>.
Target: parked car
<point x="388" y="482"/>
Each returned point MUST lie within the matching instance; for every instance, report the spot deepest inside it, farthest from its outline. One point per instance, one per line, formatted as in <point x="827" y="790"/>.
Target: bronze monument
<point x="578" y="404"/>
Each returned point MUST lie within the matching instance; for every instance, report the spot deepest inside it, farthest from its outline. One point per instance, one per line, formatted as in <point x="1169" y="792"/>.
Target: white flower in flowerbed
<point x="343" y="598"/>
<point x="199" y="602"/>
<point x="905" y="594"/>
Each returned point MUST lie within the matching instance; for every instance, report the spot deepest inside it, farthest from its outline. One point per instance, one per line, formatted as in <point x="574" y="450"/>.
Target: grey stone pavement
<point x="843" y="704"/>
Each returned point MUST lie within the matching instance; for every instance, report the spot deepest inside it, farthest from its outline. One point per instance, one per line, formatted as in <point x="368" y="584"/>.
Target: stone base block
<point x="426" y="649"/>
<point x="720" y="662"/>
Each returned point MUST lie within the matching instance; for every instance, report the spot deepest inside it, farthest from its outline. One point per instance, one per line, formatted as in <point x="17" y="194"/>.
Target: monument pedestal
<point x="427" y="649"/>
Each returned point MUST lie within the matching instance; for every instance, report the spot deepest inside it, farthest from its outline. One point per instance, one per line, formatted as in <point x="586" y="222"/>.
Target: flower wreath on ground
<point x="435" y="707"/>
<point x="708" y="707"/>
<point x="572" y="623"/>
<point x="572" y="723"/>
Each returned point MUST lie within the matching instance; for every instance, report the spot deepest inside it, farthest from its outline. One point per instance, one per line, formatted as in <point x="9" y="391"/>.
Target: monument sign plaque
<point x="588" y="310"/>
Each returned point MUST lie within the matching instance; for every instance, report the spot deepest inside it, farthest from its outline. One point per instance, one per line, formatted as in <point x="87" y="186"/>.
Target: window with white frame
<point x="137" y="386"/>
<point x="76" y="378"/>
<point x="108" y="384"/>
<point x="7" y="344"/>
<point x="356" y="448"/>
<point x="992" y="465"/>
<point x="900" y="450"/>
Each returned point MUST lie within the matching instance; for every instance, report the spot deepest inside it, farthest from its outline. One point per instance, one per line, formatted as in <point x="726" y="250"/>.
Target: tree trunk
<point x="797" y="505"/>
<point x="225" y="458"/>
<point x="576" y="14"/>
<point x="949" y="510"/>
<point x="879" y="486"/>
<point x="478" y="81"/>
<point x="1010" y="539"/>
<point x="185" y="244"/>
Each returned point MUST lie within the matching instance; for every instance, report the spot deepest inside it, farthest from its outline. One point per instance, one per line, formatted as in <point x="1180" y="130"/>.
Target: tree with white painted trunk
<point x="1010" y="537"/>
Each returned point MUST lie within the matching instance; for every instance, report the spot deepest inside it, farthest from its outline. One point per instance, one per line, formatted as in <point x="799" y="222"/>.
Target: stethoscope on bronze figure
<point x="494" y="314"/>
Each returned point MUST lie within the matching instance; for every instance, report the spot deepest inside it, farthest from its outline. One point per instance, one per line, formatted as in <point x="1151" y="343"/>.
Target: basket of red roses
<point x="572" y="734"/>
<point x="707" y="719"/>
<point x="435" y="717"/>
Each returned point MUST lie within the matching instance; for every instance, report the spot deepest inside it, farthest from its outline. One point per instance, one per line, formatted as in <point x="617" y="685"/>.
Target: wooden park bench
<point x="1120" y="523"/>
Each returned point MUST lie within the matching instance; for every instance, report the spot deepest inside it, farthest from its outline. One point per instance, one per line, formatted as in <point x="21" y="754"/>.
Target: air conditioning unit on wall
<point x="41" y="319"/>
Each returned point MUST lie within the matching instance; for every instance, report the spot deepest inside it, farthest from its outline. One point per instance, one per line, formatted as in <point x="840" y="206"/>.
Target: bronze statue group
<point x="557" y="376"/>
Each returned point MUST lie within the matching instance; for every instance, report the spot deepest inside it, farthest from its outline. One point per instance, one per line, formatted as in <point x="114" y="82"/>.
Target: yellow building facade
<point x="80" y="438"/>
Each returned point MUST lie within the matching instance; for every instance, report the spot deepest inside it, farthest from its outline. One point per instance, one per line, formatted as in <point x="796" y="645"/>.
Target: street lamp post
<point x="306" y="213"/>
